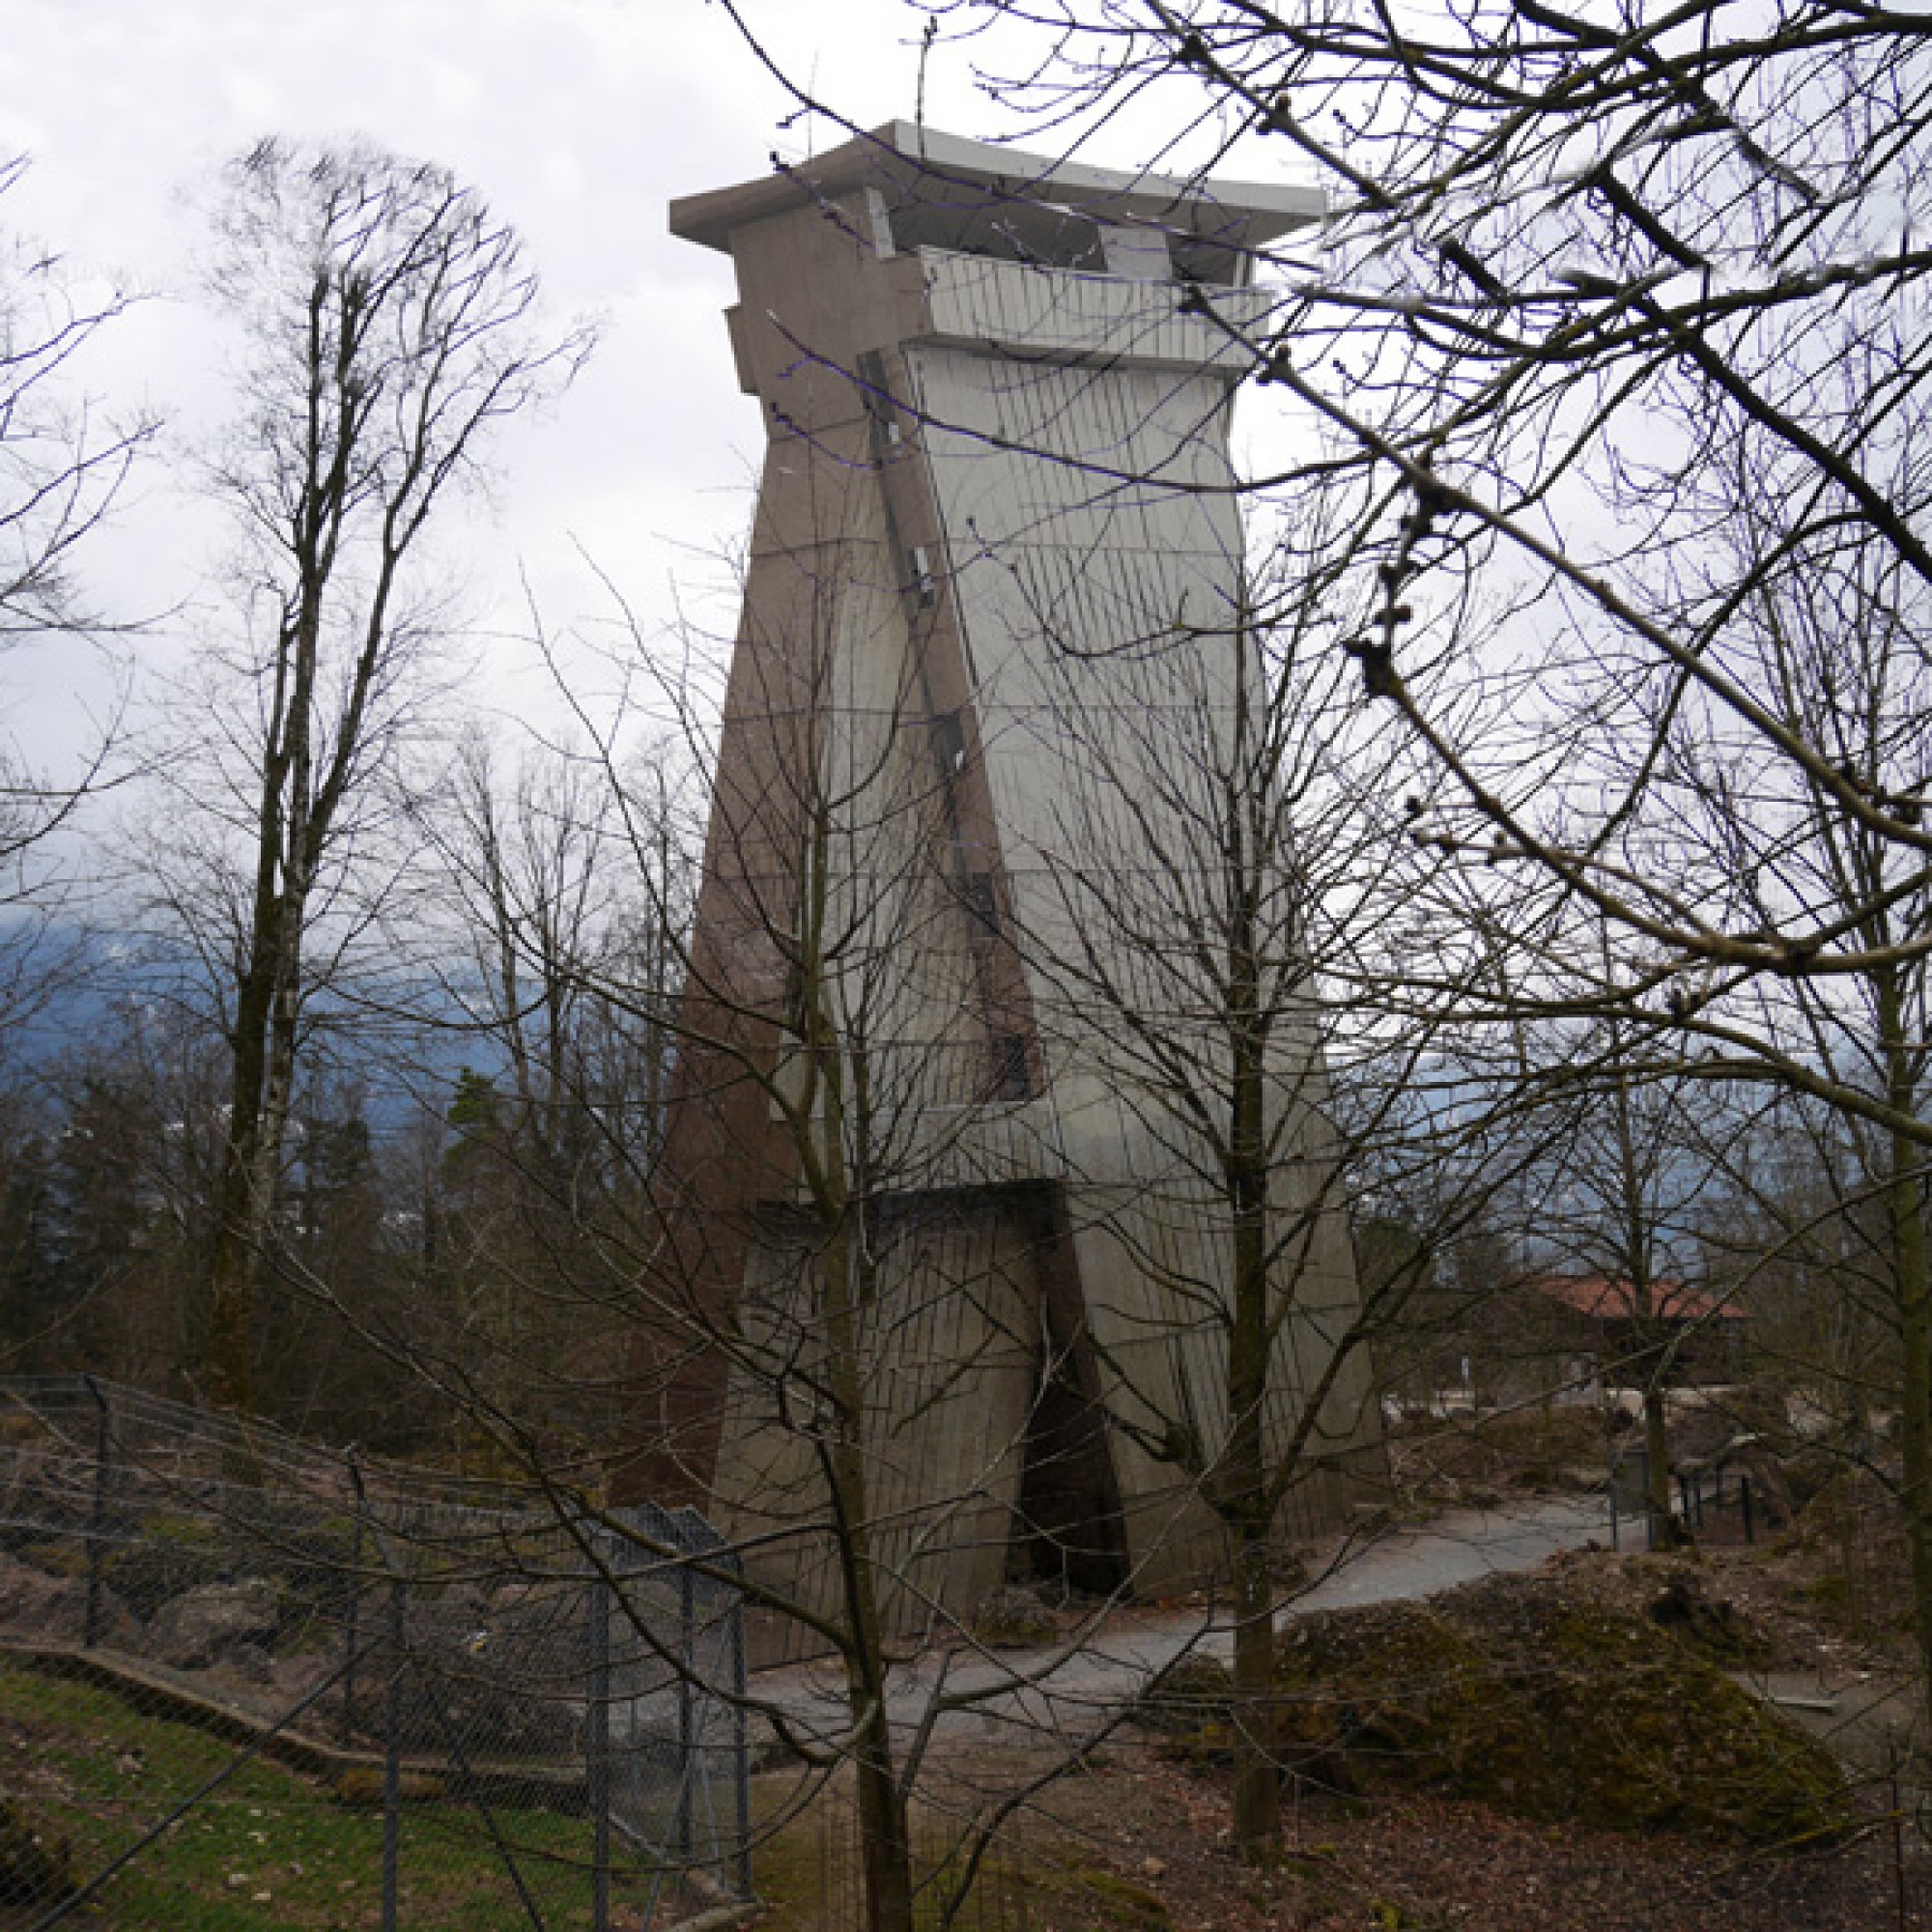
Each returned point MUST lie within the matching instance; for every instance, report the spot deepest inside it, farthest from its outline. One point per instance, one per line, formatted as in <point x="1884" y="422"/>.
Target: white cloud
<point x="578" y="118"/>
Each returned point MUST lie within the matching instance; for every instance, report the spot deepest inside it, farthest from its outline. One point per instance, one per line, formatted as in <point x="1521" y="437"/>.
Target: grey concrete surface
<point x="1074" y="1692"/>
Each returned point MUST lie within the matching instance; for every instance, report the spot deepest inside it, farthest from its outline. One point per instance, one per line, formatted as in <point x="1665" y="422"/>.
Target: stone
<point x="38" y="1606"/>
<point x="216" y="1623"/>
<point x="1016" y="1618"/>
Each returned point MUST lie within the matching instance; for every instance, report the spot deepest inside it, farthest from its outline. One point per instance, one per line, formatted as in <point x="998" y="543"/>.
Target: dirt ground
<point x="1392" y="1863"/>
<point x="1134" y="1841"/>
<point x="1137" y="1839"/>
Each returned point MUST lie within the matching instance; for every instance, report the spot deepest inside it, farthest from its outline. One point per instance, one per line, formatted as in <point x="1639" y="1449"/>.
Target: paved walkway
<point x="1073" y="1691"/>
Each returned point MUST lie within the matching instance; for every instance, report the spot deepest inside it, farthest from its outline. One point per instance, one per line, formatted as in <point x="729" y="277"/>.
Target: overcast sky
<point x="578" y="118"/>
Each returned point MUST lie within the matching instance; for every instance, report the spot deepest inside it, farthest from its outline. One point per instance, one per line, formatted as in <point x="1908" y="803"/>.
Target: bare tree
<point x="391" y="328"/>
<point x="1597" y="293"/>
<point x="548" y="968"/>
<point x="1232" y="914"/>
<point x="1560" y="315"/>
<point x="62" y="466"/>
<point x="1839" y="660"/>
<point x="847" y="1345"/>
<point x="1635" y="1160"/>
<point x="812" y="1111"/>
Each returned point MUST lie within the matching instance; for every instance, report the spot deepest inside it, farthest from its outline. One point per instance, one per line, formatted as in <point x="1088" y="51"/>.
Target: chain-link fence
<point x="246" y="1683"/>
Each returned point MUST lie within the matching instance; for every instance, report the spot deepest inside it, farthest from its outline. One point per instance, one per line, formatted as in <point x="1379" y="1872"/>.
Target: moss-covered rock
<point x="1193" y="1691"/>
<point x="1517" y="1693"/>
<point x="175" y="1555"/>
<point x="1014" y="1618"/>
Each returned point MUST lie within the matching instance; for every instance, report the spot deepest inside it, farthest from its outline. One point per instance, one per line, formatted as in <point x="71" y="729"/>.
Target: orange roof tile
<point x="1612" y="1298"/>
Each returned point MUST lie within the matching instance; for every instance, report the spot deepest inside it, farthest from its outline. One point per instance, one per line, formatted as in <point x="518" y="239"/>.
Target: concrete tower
<point x="995" y="549"/>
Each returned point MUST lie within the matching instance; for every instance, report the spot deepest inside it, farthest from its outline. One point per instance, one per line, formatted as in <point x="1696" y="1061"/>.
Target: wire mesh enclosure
<point x="249" y="1682"/>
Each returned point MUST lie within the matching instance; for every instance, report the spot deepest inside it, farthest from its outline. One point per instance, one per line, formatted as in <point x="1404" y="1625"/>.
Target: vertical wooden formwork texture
<point x="993" y="532"/>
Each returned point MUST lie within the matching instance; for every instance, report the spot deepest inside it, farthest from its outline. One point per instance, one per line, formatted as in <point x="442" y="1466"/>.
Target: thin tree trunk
<point x="1639" y="1258"/>
<point x="884" y="1827"/>
<point x="1905" y="1201"/>
<point x="1246" y="1498"/>
<point x="1246" y="1506"/>
<point x="1257" y="1813"/>
<point x="236" y="1251"/>
<point x="261" y="1098"/>
<point x="1665" y="1531"/>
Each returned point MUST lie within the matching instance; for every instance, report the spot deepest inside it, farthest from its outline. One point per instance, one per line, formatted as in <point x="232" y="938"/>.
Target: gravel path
<point x="1076" y="1690"/>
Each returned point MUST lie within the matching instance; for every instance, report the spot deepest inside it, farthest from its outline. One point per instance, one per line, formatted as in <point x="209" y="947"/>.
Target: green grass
<point x="66" y="1756"/>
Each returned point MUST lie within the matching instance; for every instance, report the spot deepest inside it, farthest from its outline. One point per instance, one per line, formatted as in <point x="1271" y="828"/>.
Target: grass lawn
<point x="270" y="1851"/>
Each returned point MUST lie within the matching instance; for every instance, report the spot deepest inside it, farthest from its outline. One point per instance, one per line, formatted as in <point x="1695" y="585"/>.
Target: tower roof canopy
<point x="943" y="191"/>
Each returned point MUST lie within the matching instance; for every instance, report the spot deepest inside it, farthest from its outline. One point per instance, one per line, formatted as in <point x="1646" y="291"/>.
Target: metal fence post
<point x="353" y="1634"/>
<point x="597" y="1754"/>
<point x="96" y="1522"/>
<point x="687" y="1704"/>
<point x="741" y="1739"/>
<point x="392" y="1757"/>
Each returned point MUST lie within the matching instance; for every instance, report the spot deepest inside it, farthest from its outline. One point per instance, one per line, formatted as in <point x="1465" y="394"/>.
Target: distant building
<point x="997" y="474"/>
<point x="1597" y="1327"/>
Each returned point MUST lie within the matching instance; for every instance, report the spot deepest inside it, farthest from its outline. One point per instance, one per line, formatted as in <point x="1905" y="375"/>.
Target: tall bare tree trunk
<point x="247" y="1184"/>
<point x="1905" y="1205"/>
<point x="884" y="1827"/>
<point x="1636" y="1239"/>
<point x="822" y="1123"/>
<point x="1246" y="1498"/>
<point x="388" y="315"/>
<point x="1665" y="1531"/>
